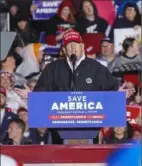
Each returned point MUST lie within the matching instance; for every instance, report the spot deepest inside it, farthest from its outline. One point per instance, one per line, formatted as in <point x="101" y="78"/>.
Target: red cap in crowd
<point x="70" y="36"/>
<point x="132" y="78"/>
<point x="3" y="91"/>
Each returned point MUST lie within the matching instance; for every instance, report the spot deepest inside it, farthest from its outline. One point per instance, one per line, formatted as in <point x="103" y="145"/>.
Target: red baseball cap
<point x="70" y="36"/>
<point x="3" y="91"/>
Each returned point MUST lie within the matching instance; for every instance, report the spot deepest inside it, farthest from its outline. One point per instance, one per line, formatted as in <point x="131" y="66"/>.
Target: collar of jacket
<point x="77" y="63"/>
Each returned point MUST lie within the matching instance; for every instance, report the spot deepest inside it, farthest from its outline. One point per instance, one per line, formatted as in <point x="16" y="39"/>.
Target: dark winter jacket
<point x="90" y="75"/>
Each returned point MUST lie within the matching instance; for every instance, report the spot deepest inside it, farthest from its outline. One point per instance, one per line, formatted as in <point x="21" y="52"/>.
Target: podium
<point x="77" y="115"/>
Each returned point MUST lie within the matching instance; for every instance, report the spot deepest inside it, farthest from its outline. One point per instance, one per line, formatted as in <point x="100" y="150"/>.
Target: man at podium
<point x="76" y="72"/>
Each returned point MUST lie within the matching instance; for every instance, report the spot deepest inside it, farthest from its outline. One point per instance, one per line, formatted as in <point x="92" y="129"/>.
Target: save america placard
<point x="76" y="109"/>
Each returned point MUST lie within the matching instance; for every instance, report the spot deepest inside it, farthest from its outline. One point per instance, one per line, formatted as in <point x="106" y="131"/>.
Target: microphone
<point x="73" y="58"/>
<point x="73" y="84"/>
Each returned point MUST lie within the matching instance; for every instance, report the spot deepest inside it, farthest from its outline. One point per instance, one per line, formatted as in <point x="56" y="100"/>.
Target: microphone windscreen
<point x="73" y="58"/>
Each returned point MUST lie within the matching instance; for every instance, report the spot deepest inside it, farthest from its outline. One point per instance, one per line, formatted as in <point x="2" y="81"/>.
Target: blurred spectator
<point x="25" y="34"/>
<point x="32" y="56"/>
<point x="130" y="53"/>
<point x="23" y="114"/>
<point x="137" y="101"/>
<point x="3" y="6"/>
<point x="34" y="77"/>
<point x="41" y="136"/>
<point x="131" y="18"/>
<point x="119" y="135"/>
<point x="138" y="127"/>
<point x="107" y="53"/>
<point x="90" y="22"/>
<point x="3" y="16"/>
<point x="45" y="136"/>
<point x="58" y="24"/>
<point x="5" y="114"/>
<point x="9" y="65"/>
<point x="31" y="83"/>
<point x="13" y="100"/>
<point x="15" y="131"/>
<point x="18" y="9"/>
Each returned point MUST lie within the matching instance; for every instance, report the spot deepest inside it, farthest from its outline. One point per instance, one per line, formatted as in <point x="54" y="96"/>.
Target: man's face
<point x="22" y="24"/>
<point x="13" y="131"/>
<point x="24" y="116"/>
<point x="74" y="48"/>
<point x="88" y="8"/>
<point x="130" y="13"/>
<point x="107" y="49"/>
<point x="2" y="100"/>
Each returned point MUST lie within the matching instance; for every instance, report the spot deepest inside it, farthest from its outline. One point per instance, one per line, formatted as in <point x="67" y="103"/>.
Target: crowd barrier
<point x="90" y="155"/>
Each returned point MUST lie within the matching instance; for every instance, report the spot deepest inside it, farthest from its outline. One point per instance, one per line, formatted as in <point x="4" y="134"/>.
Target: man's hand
<point x="129" y="92"/>
<point x="23" y="93"/>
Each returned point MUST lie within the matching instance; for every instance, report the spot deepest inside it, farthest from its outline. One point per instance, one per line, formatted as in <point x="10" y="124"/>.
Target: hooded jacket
<point x="123" y="22"/>
<point x="57" y="25"/>
<point x="99" y="25"/>
<point x="90" y="75"/>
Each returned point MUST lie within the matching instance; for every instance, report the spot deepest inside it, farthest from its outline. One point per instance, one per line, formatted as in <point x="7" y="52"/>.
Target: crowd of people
<point x="33" y="63"/>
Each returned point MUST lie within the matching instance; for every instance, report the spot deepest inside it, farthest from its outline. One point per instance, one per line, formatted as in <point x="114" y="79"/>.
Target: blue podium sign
<point x="76" y="109"/>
